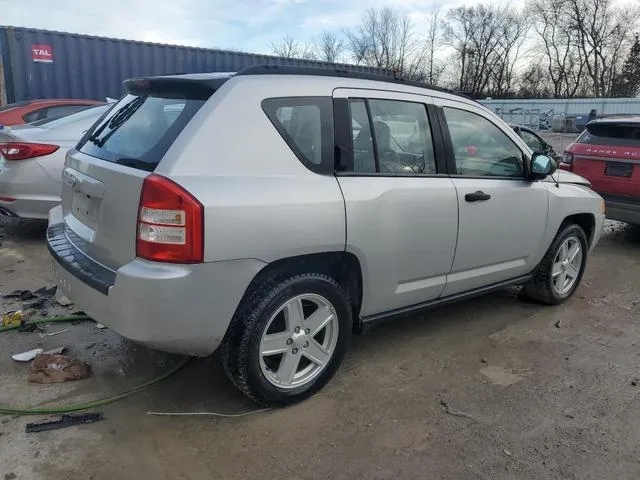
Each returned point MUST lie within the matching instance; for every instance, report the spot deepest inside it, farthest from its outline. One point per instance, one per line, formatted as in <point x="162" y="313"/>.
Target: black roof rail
<point x="339" y="72"/>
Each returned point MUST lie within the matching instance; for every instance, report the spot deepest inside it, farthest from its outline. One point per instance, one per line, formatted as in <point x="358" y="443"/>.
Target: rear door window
<point x="306" y="125"/>
<point x="391" y="137"/>
<point x="614" y="134"/>
<point x="139" y="130"/>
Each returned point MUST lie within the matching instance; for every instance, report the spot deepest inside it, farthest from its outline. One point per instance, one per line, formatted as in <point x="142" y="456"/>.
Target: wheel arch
<point x="586" y="221"/>
<point x="342" y="266"/>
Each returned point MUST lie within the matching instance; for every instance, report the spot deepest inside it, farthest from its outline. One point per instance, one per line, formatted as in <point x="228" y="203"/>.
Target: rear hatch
<point x="608" y="155"/>
<point x="103" y="176"/>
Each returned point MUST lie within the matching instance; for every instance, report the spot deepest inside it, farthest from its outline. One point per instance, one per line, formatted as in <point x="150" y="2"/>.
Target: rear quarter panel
<point x="260" y="201"/>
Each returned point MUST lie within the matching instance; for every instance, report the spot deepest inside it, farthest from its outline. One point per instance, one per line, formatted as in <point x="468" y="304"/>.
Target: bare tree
<point x="287" y="47"/>
<point x="487" y="42"/>
<point x="533" y="82"/>
<point x="433" y="67"/>
<point x="558" y="41"/>
<point x="512" y="33"/>
<point x="329" y="47"/>
<point x="602" y="30"/>
<point x="384" y="39"/>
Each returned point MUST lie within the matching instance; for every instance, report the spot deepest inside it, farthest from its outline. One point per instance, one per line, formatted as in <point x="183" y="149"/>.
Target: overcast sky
<point x="249" y="25"/>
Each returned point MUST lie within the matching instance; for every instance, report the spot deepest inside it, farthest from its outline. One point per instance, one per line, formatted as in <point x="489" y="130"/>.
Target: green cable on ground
<point x="10" y="410"/>
<point x="36" y="321"/>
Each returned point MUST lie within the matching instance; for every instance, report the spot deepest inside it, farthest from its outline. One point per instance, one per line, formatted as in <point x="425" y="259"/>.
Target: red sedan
<point x="32" y="110"/>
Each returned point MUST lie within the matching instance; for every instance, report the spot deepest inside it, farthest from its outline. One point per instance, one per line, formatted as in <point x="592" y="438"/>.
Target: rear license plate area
<point x="82" y="207"/>
<point x="618" y="169"/>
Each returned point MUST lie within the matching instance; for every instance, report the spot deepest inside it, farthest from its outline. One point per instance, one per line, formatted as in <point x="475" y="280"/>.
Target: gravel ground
<point x="492" y="388"/>
<point x="559" y="141"/>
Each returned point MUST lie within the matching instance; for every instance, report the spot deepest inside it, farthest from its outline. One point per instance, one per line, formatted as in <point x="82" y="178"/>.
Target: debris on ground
<point x="37" y="305"/>
<point x="27" y="356"/>
<point x="62" y="299"/>
<point x="14" y="318"/>
<point x="64" y="422"/>
<point x="635" y="382"/>
<point x="52" y="334"/>
<point x="484" y="360"/>
<point x="55" y="351"/>
<point x="21" y="294"/>
<point x="10" y="476"/>
<point x="57" y="368"/>
<point x="558" y="324"/>
<point x="46" y="292"/>
<point x="451" y="411"/>
<point x="100" y="326"/>
<point x="507" y="453"/>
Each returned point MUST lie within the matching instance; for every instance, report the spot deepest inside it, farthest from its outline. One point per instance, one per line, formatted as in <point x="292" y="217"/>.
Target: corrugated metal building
<point x="561" y="114"/>
<point x="45" y="64"/>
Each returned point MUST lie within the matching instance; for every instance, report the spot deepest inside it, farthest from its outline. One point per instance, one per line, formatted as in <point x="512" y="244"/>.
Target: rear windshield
<point x="140" y="128"/>
<point x="615" y="134"/>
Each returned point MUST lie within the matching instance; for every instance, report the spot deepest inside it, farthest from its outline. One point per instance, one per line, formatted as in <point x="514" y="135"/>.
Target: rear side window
<point x="35" y="115"/>
<point x="614" y="134"/>
<point x="139" y="130"/>
<point x="306" y="124"/>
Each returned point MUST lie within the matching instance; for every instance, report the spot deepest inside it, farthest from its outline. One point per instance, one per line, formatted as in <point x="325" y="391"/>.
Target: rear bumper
<point x="25" y="207"/>
<point x="33" y="191"/>
<point x="175" y="308"/>
<point x="623" y="209"/>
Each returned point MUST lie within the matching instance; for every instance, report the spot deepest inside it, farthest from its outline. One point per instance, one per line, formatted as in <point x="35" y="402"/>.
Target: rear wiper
<point x="120" y="117"/>
<point x="136" y="163"/>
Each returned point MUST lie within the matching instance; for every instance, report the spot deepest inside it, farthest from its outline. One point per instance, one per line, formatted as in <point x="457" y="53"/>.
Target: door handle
<point x="478" y="196"/>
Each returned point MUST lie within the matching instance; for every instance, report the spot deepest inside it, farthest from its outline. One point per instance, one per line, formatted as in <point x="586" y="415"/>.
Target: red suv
<point x="608" y="155"/>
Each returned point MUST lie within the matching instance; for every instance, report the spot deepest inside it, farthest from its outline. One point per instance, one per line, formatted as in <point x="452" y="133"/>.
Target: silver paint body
<point x="415" y="237"/>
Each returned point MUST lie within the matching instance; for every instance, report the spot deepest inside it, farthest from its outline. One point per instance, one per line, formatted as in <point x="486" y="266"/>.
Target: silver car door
<point x="502" y="214"/>
<point x="402" y="214"/>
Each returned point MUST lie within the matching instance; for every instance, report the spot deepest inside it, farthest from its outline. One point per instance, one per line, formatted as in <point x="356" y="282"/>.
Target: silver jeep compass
<point x="273" y="212"/>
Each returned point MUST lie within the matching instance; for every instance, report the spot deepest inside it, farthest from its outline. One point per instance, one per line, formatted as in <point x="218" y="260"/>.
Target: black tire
<point x="240" y="348"/>
<point x="540" y="287"/>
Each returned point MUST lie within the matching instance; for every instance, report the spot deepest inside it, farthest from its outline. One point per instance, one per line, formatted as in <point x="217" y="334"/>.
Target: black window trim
<point x="325" y="104"/>
<point x="451" y="159"/>
<point x="344" y="140"/>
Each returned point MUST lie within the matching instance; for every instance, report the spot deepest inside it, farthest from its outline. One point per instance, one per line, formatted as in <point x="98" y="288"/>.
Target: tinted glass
<point x="480" y="147"/>
<point x="617" y="134"/>
<point x="532" y="141"/>
<point x="139" y="129"/>
<point x="64" y="110"/>
<point x="306" y="124"/>
<point x="302" y="124"/>
<point x="74" y="117"/>
<point x="35" y="115"/>
<point x="364" y="160"/>
<point x="403" y="137"/>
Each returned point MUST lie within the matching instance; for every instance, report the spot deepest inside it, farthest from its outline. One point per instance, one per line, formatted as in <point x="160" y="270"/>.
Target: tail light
<point x="23" y="151"/>
<point x="170" y="223"/>
<point x="567" y="161"/>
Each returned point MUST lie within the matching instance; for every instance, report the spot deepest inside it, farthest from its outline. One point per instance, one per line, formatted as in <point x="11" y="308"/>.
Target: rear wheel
<point x="561" y="269"/>
<point x="287" y="338"/>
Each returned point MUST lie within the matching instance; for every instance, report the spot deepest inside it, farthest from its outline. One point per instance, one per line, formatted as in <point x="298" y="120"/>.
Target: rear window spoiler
<point x="195" y="88"/>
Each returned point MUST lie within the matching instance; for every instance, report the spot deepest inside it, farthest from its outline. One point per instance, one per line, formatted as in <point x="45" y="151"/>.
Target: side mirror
<point x="542" y="166"/>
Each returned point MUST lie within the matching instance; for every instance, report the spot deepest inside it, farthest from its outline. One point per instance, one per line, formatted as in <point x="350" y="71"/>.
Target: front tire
<point x="561" y="269"/>
<point x="287" y="338"/>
